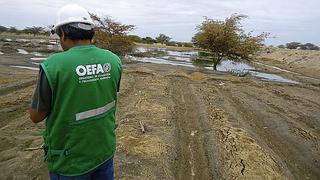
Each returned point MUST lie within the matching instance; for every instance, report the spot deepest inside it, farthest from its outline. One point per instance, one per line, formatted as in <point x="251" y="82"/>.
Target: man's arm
<point x="41" y="100"/>
<point x="37" y="116"/>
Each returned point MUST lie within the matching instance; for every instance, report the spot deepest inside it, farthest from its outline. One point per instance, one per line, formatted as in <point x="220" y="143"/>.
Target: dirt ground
<point x="199" y="125"/>
<point x="306" y="62"/>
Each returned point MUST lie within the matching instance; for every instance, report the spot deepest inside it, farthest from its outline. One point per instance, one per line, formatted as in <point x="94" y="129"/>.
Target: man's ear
<point x="62" y="35"/>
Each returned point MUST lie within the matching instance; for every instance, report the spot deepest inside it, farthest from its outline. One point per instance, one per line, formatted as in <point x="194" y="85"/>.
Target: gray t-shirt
<point x="41" y="100"/>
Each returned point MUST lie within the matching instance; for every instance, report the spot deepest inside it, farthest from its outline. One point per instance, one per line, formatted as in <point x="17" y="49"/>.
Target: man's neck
<point x="82" y="43"/>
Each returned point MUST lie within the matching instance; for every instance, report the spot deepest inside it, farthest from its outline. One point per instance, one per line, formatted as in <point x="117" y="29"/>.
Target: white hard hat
<point x="73" y="13"/>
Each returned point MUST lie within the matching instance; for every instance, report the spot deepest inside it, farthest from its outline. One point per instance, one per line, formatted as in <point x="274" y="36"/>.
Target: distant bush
<point x="148" y="40"/>
<point x="293" y="45"/>
<point x="13" y="30"/>
<point x="172" y="43"/>
<point x="298" y="45"/>
<point x="163" y="39"/>
<point x="34" y="30"/>
<point x="309" y="46"/>
<point x="135" y="38"/>
<point x="3" y="29"/>
<point x="187" y="44"/>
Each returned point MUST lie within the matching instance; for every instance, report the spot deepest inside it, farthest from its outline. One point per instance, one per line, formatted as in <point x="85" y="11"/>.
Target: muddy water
<point x="177" y="58"/>
<point x="185" y="59"/>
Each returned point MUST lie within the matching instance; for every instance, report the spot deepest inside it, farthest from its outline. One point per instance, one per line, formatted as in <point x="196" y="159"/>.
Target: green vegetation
<point x="3" y="29"/>
<point x="163" y="39"/>
<point x="112" y="35"/>
<point x="149" y="40"/>
<point x="298" y="45"/>
<point x="227" y="39"/>
<point x="34" y="30"/>
<point x="135" y="38"/>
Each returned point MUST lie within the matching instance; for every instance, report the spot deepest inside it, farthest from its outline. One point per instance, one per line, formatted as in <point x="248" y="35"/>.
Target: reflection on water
<point x="161" y="61"/>
<point x="272" y="77"/>
<point x="178" y="58"/>
<point x="227" y="65"/>
<point x="37" y="54"/>
<point x="26" y="67"/>
<point x="167" y="52"/>
<point x="22" y="51"/>
<point x="38" y="59"/>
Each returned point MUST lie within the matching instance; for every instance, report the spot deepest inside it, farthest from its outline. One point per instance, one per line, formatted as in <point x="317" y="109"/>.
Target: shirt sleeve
<point x="41" y="100"/>
<point x="118" y="87"/>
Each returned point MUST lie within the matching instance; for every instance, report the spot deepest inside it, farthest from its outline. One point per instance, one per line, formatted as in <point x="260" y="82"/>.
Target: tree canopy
<point x="227" y="39"/>
<point x="163" y="39"/>
<point x="34" y="30"/>
<point x="112" y="35"/>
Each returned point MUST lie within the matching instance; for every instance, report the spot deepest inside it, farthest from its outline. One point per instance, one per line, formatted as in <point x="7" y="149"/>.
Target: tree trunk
<point x="216" y="62"/>
<point x="215" y="66"/>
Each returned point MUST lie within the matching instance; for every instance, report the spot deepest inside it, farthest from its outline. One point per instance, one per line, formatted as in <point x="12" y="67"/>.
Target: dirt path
<point x="192" y="160"/>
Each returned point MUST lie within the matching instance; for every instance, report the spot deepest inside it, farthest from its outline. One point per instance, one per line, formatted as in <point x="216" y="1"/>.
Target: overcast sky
<point x="286" y="20"/>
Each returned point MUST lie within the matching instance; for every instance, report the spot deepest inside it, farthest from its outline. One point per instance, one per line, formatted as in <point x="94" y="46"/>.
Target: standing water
<point x="185" y="59"/>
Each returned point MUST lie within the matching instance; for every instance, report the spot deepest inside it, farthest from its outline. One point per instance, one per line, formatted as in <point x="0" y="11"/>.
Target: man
<point x="77" y="94"/>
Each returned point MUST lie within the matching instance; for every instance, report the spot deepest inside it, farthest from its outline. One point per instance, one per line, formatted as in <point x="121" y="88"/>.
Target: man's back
<point x="76" y="94"/>
<point x="80" y="127"/>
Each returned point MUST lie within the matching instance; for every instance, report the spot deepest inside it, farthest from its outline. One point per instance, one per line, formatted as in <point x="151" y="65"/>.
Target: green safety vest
<point x="80" y="128"/>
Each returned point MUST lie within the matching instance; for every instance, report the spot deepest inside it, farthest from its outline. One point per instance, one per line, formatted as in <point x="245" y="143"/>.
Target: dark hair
<point x="74" y="33"/>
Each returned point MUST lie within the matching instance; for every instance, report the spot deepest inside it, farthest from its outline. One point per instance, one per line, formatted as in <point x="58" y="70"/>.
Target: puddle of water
<point x="38" y="59"/>
<point x="39" y="41"/>
<point x="7" y="40"/>
<point x="182" y="54"/>
<point x="272" y="77"/>
<point x="53" y="42"/>
<point x="22" y="51"/>
<point x="184" y="59"/>
<point x="168" y="52"/>
<point x="161" y="61"/>
<point x="35" y="63"/>
<point x="56" y="47"/>
<point x="277" y="68"/>
<point x="26" y="67"/>
<point x="227" y="65"/>
<point x="177" y="58"/>
<point x="287" y="71"/>
<point x="37" y="54"/>
<point x="22" y="40"/>
<point x="141" y="49"/>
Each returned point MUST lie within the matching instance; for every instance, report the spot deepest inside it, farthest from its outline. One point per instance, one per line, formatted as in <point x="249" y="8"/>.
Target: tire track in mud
<point x="271" y="127"/>
<point x="16" y="86"/>
<point x="192" y="159"/>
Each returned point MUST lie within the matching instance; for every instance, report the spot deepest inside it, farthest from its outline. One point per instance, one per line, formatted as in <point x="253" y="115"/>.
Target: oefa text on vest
<point x="93" y="72"/>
